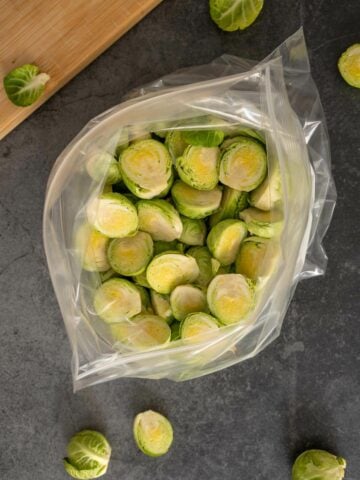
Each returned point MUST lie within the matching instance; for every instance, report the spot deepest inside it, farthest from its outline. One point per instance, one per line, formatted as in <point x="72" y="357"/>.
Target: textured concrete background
<point x="248" y="421"/>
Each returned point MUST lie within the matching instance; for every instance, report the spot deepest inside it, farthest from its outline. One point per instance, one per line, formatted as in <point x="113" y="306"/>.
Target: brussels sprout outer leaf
<point x="203" y="138"/>
<point x="153" y="433"/>
<point x="318" y="465"/>
<point x="88" y="455"/>
<point x="231" y="15"/>
<point x="24" y="85"/>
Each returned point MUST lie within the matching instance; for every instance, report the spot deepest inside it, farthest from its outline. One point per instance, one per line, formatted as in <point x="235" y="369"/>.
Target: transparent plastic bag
<point x="276" y="97"/>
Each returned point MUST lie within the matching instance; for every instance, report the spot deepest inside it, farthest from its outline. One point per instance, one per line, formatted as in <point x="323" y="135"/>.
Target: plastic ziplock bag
<point x="276" y="97"/>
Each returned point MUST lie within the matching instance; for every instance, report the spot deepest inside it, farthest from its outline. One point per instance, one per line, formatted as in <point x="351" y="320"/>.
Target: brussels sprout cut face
<point x="268" y="194"/>
<point x="113" y="215"/>
<point x="256" y="257"/>
<point x="161" y="306"/>
<point x="168" y="270"/>
<point x="142" y="332"/>
<point x="243" y="165"/>
<point x="153" y="433"/>
<point x="100" y="165"/>
<point x="196" y="325"/>
<point x="194" y="231"/>
<point x="146" y="168"/>
<point x="24" y="85"/>
<point x="129" y="256"/>
<point x="195" y="203"/>
<point x="349" y="65"/>
<point x="186" y="299"/>
<point x="91" y="246"/>
<point x="88" y="455"/>
<point x="160" y="219"/>
<point x="230" y="298"/>
<point x="318" y="465"/>
<point x="116" y="300"/>
<point x="198" y="167"/>
<point x="262" y="224"/>
<point x="224" y="240"/>
<point x="230" y="15"/>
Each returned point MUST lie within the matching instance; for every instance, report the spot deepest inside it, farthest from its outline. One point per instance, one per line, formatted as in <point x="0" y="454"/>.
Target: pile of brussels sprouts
<point x="182" y="234"/>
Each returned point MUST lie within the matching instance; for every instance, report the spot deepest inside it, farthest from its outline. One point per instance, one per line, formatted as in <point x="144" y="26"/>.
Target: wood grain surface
<point x="61" y="37"/>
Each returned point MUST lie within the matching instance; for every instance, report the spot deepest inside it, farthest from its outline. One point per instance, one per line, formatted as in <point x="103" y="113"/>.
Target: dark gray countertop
<point x="250" y="420"/>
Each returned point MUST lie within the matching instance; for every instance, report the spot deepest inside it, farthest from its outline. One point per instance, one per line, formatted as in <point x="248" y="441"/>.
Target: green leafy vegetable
<point x="318" y="465"/>
<point x="349" y="65"/>
<point x="230" y="15"/>
<point x="153" y="433"/>
<point x="88" y="455"/>
<point x="24" y="85"/>
<point x="203" y="138"/>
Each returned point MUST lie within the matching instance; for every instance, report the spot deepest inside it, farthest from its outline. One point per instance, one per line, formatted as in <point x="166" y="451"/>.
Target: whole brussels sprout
<point x="318" y="465"/>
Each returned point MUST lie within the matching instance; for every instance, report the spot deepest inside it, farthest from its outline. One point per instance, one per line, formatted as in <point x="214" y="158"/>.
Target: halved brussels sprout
<point x="153" y="433"/>
<point x="349" y="65"/>
<point x="142" y="332"/>
<point x="256" y="257"/>
<point x="197" y="325"/>
<point x="91" y="246"/>
<point x="113" y="215"/>
<point x="230" y="297"/>
<point x="195" y="203"/>
<point x="168" y="270"/>
<point x="175" y="143"/>
<point x="141" y="280"/>
<point x="194" y="231"/>
<point x="101" y="165"/>
<point x="160" y="246"/>
<point x="146" y="168"/>
<point x="243" y="165"/>
<point x="175" y="331"/>
<point x="160" y="219"/>
<point x="185" y="299"/>
<point x="231" y="15"/>
<point x="161" y="306"/>
<point x="130" y="255"/>
<point x="224" y="240"/>
<point x="232" y="202"/>
<point x="269" y="193"/>
<point x="205" y="263"/>
<point x="146" y="306"/>
<point x="204" y="138"/>
<point x="88" y="455"/>
<point x="318" y="465"/>
<point x="262" y="224"/>
<point x="116" y="300"/>
<point x="198" y="167"/>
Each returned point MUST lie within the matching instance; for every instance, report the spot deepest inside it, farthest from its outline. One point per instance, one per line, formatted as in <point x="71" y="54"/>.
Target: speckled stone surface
<point x="250" y="420"/>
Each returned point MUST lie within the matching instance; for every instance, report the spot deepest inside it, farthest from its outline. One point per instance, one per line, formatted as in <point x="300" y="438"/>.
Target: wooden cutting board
<point x="61" y="37"/>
